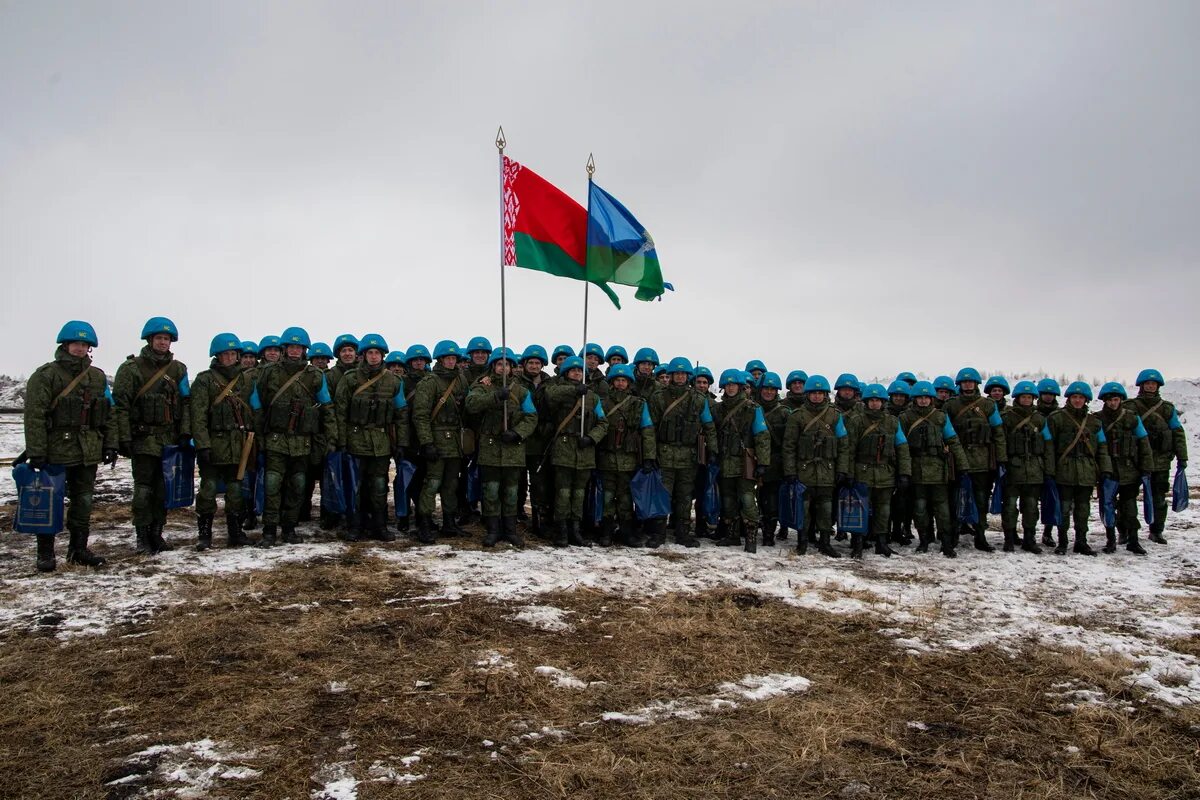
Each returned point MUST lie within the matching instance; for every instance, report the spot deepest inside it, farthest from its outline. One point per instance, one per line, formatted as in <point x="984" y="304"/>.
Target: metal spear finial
<point x="591" y="166"/>
<point x="500" y="141"/>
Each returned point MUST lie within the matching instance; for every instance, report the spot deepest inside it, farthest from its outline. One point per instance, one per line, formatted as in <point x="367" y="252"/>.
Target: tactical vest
<point x="682" y="425"/>
<point x="972" y="426"/>
<point x="159" y="406"/>
<point x="297" y="412"/>
<point x="371" y="410"/>
<point x="624" y="428"/>
<point x="86" y="407"/>
<point x="1122" y="443"/>
<point x="926" y="439"/>
<point x="878" y="446"/>
<point x="1161" y="437"/>
<point x="231" y="413"/>
<point x="819" y="441"/>
<point x="730" y="433"/>
<point x="1026" y="439"/>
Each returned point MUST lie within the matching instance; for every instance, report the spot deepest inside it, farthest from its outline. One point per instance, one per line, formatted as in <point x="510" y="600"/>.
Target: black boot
<point x="950" y="544"/>
<point x="157" y="543"/>
<point x="1156" y="534"/>
<point x="702" y="527"/>
<point x="268" y="536"/>
<point x="1110" y="540"/>
<point x="1121" y="536"/>
<point x="825" y="548"/>
<point x="731" y="536"/>
<point x="605" y="536"/>
<point x="574" y="536"/>
<point x="328" y="522"/>
<point x="782" y="533"/>
<point x="204" y="532"/>
<point x="801" y="543"/>
<point x="655" y="535"/>
<point x="981" y="542"/>
<point x="1081" y="545"/>
<point x="926" y="538"/>
<point x="535" y="522"/>
<point x="290" y="536"/>
<point x="840" y="536"/>
<point x="508" y="527"/>
<point x="403" y="523"/>
<point x="233" y="529"/>
<point x="684" y="537"/>
<point x="491" y="531"/>
<point x="45" y="553"/>
<point x="143" y="540"/>
<point x="1061" y="549"/>
<point x="450" y="528"/>
<point x="1010" y="540"/>
<point x="250" y="522"/>
<point x="1029" y="542"/>
<point x="856" y="546"/>
<point x="561" y="539"/>
<point x="77" y="549"/>
<point x="1048" y="536"/>
<point x="1131" y="542"/>
<point x="881" y="546"/>
<point x="749" y="536"/>
<point x="768" y="532"/>
<point x="425" y="532"/>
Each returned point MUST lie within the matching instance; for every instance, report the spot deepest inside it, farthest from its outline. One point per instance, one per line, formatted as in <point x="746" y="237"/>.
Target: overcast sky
<point x="832" y="186"/>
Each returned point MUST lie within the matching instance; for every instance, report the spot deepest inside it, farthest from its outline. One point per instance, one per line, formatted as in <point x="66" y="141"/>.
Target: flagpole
<point x="500" y="143"/>
<point x="591" y="169"/>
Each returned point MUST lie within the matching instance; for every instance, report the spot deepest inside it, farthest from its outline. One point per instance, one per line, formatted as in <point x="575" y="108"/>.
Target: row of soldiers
<point x="544" y="426"/>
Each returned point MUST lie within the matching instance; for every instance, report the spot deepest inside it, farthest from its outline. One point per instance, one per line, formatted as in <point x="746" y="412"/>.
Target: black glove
<point x="36" y="462"/>
<point x="1106" y="476"/>
<point x="429" y="452"/>
<point x="788" y="478"/>
<point x="399" y="453"/>
<point x="203" y="457"/>
<point x="125" y="449"/>
<point x="649" y="465"/>
<point x="582" y="390"/>
<point x="844" y="481"/>
<point x="510" y="437"/>
<point x="110" y="456"/>
<point x="586" y="441"/>
<point x="330" y="449"/>
<point x="903" y="482"/>
<point x="501" y="394"/>
<point x="760" y="472"/>
<point x="713" y="459"/>
<point x="185" y="440"/>
<point x="1181" y="464"/>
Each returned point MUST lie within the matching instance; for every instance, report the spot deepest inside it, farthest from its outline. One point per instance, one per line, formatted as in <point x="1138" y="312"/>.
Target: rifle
<point x="247" y="448"/>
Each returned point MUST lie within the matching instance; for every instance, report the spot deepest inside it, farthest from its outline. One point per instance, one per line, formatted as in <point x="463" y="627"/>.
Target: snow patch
<point x="195" y="769"/>
<point x="753" y="688"/>
<point x="548" y="618"/>
<point x="564" y="679"/>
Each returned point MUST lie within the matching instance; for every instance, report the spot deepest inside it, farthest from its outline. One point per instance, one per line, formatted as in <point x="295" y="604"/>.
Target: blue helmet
<point x="535" y="351"/>
<point x="249" y="347"/>
<point x="997" y="380"/>
<point x="874" y="391"/>
<point x="1024" y="387"/>
<point x="729" y="376"/>
<point x="295" y="335"/>
<point x="680" y="364"/>
<point x="319" y="350"/>
<point x="796" y="375"/>
<point x="922" y="389"/>
<point x="593" y="349"/>
<point x="770" y="380"/>
<point x="620" y="371"/>
<point x="1048" y="386"/>
<point x="754" y="364"/>
<point x="748" y="378"/>
<point x="417" y="351"/>
<point x="223" y="342"/>
<point x="78" y="331"/>
<point x="505" y="353"/>
<point x="944" y="382"/>
<point x="616" y="350"/>
<point x="479" y="343"/>
<point x="661" y="369"/>
<point x="571" y="363"/>
<point x="967" y="374"/>
<point x="343" y="340"/>
<point x="1111" y="388"/>
<point x="646" y="354"/>
<point x="1150" y="375"/>
<point x="898" y="387"/>
<point x="372" y="341"/>
<point x="1079" y="387"/>
<point x="562" y="350"/>
<point x="393" y="357"/>
<point x="447" y="348"/>
<point x="704" y="372"/>
<point x="860" y="387"/>
<point x="269" y="341"/>
<point x="907" y="377"/>
<point x="846" y="379"/>
<point x="816" y="383"/>
<point x="157" y="325"/>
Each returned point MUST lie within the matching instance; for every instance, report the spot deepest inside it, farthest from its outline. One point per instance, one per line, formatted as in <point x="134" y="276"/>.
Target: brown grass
<point x="234" y="666"/>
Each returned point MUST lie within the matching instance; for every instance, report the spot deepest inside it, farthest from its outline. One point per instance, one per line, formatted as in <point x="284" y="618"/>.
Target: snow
<point x="564" y="679"/>
<point x="493" y="661"/>
<point x="751" y="688"/>
<point x="548" y="618"/>
<point x="197" y="767"/>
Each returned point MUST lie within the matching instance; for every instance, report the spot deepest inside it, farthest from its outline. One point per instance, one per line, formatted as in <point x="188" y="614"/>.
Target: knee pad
<point x="273" y="482"/>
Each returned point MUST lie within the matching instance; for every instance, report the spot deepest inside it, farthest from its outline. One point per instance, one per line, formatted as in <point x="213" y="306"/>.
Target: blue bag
<point x="593" y="500"/>
<point x="254" y="485"/>
<point x="1179" y="491"/>
<point x="474" y="489"/>
<point x="1051" y="505"/>
<point x="404" y="475"/>
<point x="651" y="500"/>
<point x="853" y="509"/>
<point x="1108" y="502"/>
<point x="1147" y="501"/>
<point x="179" y="476"/>
<point x="40" y="499"/>
<point x="787" y="491"/>
<point x="964" y="501"/>
<point x="339" y="490"/>
<point x="711" y="499"/>
<point x="996" y="506"/>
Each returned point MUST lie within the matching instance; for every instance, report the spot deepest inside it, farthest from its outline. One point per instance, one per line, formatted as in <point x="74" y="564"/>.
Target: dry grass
<point x="249" y="662"/>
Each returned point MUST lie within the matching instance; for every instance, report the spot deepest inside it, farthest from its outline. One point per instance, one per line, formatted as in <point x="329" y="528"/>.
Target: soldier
<point x="932" y="441"/>
<point x="814" y="444"/>
<point x="686" y="436"/>
<point x="372" y="426"/>
<point x="151" y="393"/>
<point x="221" y="418"/>
<point x="702" y="381"/>
<point x="533" y="478"/>
<point x="437" y="415"/>
<point x="944" y="389"/>
<point x="898" y="397"/>
<point x="270" y="350"/>
<point x="876" y="454"/>
<point x="902" y="499"/>
<point x="507" y="417"/>
<point x="248" y="358"/>
<point x="293" y="403"/>
<point x="755" y="368"/>
<point x="997" y="389"/>
<point x="416" y="362"/>
<point x="1132" y="458"/>
<point x="1048" y="394"/>
<point x="561" y="354"/>
<point x="795" y="389"/>
<point x="662" y="377"/>
<point x="907" y="378"/>
<point x="319" y="355"/>
<point x="249" y="363"/>
<point x="479" y="350"/>
<point x="982" y="433"/>
<point x="615" y="355"/>
<point x="848" y="393"/>
<point x="68" y="423"/>
<point x="775" y="414"/>
<point x="1167" y="442"/>
<point x="593" y="357"/>
<point x="573" y="450"/>
<point x="1077" y="460"/>
<point x="630" y="444"/>
<point x="744" y="450"/>
<point x="345" y="353"/>
<point x="1025" y="434"/>
<point x="645" y="361"/>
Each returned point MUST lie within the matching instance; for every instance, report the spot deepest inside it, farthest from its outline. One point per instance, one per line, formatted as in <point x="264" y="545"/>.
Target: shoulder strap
<point x="226" y="390"/>
<point x="671" y="407"/>
<point x="362" y="387"/>
<point x="155" y="378"/>
<point x="729" y="415"/>
<point x="871" y="427"/>
<point x="286" y="385"/>
<point x="1152" y="409"/>
<point x="1078" y="435"/>
<point x="567" y="419"/>
<point x="921" y="420"/>
<point x="1110" y="425"/>
<point x="619" y="405"/>
<point x="70" y="387"/>
<point x="818" y="418"/>
<point x="963" y="411"/>
<point x="445" y="396"/>
<point x="1028" y="419"/>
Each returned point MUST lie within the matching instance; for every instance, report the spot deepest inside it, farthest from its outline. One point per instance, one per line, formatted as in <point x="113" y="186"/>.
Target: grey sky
<point x="832" y="186"/>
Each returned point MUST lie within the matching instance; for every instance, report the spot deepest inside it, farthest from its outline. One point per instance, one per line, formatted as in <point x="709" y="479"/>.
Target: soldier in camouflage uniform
<point x="702" y="381"/>
<point x="416" y="362"/>
<point x="848" y="394"/>
<point x="944" y="389"/>
<point x="593" y="357"/>
<point x="1025" y="435"/>
<point x="437" y="414"/>
<point x="683" y="425"/>
<point x="1077" y="458"/>
<point x="932" y="441"/>
<point x="1167" y="442"/>
<point x="629" y="445"/>
<point x="372" y="426"/>
<point x="876" y="454"/>
<point x="795" y="389"/>
<point x="292" y="402"/>
<point x="1131" y="455"/>
<point x="645" y="361"/>
<point x="533" y="482"/>
<point x="902" y="499"/>
<point x="814" y="444"/>
<point x="248" y="359"/>
<point x="573" y="447"/>
<point x="68" y="422"/>
<point x="221" y="418"/>
<point x="151" y="394"/>
<point x="775" y="414"/>
<point x="319" y="355"/>
<point x="744" y="450"/>
<point x="1048" y="393"/>
<point x="981" y="431"/>
<point x="506" y="414"/>
<point x="997" y="390"/>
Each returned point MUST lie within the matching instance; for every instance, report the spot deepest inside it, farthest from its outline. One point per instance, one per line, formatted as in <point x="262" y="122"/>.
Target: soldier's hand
<point x="586" y="441"/>
<point x="844" y="481"/>
<point x="430" y="452"/>
<point x="903" y="482"/>
<point x="713" y="459"/>
<point x="789" y="477"/>
<point x="110" y="456"/>
<point x="330" y="449"/>
<point x="510" y="437"/>
<point x="502" y="393"/>
<point x="1106" y="476"/>
<point x="398" y="453"/>
<point x="185" y="440"/>
<point x="1182" y="464"/>
<point x="204" y="457"/>
<point x="760" y="472"/>
<point x="36" y="462"/>
<point x="582" y="390"/>
<point x="649" y="465"/>
<point x="125" y="449"/>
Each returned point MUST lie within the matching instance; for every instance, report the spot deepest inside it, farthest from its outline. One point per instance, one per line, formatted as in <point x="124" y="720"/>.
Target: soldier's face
<point x="373" y="357"/>
<point x="665" y="379"/>
<point x="1024" y="400"/>
<point x="593" y="361"/>
<point x="943" y="394"/>
<point x="227" y="358"/>
<point x="996" y="393"/>
<point x="645" y="368"/>
<point x="395" y="369"/>
<point x="924" y="401"/>
<point x="677" y="378"/>
<point x="968" y="386"/>
<point x="558" y="359"/>
<point x="271" y="354"/>
<point x="817" y="397"/>
<point x="757" y="373"/>
<point x="320" y="362"/>
<point x="78" y="349"/>
<point x="702" y="383"/>
<point x="899" y="400"/>
<point x="1150" y="387"/>
<point x="732" y="389"/>
<point x="620" y="384"/>
<point x="874" y="404"/>
<point x="614" y="360"/>
<point x="295" y="351"/>
<point x="846" y="393"/>
<point x="768" y="393"/>
<point x="160" y="343"/>
<point x="249" y="360"/>
<point x="1048" y="398"/>
<point x="479" y="357"/>
<point x="502" y="367"/>
<point x="575" y="375"/>
<point x="347" y="354"/>
<point x="1077" y="401"/>
<point x="796" y="387"/>
<point x="449" y="362"/>
<point x="418" y="364"/>
<point x="533" y="366"/>
<point x="1112" y="402"/>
